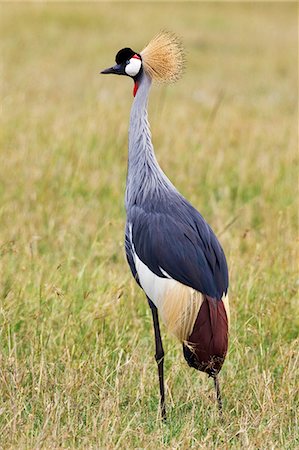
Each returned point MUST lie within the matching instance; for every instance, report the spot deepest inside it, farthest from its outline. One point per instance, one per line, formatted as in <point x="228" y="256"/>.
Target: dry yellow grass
<point x="76" y="360"/>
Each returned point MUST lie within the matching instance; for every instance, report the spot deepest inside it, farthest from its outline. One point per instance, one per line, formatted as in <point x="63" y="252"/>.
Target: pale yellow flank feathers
<point x="163" y="58"/>
<point x="179" y="310"/>
<point x="226" y="307"/>
<point x="180" y="307"/>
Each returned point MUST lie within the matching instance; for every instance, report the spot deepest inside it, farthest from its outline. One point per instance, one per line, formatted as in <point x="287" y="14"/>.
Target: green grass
<point x="76" y="361"/>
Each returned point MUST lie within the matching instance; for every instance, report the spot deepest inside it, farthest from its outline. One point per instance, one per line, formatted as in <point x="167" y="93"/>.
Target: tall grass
<point x="77" y="367"/>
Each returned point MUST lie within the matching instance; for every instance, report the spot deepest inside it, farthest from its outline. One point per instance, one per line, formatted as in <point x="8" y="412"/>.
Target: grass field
<point x="77" y="366"/>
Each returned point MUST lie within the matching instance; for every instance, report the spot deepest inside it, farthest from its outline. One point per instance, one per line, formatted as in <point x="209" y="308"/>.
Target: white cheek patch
<point x="133" y="67"/>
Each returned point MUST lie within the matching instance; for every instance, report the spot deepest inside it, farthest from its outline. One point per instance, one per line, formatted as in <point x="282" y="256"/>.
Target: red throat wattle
<point x="135" y="88"/>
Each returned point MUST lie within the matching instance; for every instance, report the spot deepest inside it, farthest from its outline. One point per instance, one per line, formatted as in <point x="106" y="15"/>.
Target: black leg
<point x="218" y="394"/>
<point x="159" y="356"/>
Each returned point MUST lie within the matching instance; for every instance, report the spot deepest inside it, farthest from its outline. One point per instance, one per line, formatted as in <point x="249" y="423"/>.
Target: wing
<point x="179" y="243"/>
<point x="130" y="254"/>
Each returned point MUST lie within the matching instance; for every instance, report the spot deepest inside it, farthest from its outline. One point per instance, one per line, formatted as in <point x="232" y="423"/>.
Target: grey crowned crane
<point x="172" y="252"/>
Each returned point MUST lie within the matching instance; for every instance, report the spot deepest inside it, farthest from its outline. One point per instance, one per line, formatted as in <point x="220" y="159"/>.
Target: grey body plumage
<point x="167" y="231"/>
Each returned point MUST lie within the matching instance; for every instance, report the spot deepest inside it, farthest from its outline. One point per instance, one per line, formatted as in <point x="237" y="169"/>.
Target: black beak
<point x="117" y="70"/>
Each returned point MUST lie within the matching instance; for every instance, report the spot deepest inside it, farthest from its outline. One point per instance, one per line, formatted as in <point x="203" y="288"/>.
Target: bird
<point x="172" y="252"/>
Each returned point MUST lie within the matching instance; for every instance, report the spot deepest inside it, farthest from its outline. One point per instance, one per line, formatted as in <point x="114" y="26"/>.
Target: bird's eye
<point x="127" y="62"/>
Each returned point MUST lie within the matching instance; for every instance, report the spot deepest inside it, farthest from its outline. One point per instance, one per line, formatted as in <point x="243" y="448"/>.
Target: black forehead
<point x="123" y="55"/>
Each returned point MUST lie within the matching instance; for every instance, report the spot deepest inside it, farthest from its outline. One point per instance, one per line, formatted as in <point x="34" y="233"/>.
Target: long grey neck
<point x="145" y="178"/>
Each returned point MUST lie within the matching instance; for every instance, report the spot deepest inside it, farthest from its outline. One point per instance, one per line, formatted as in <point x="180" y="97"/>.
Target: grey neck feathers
<point x="145" y="179"/>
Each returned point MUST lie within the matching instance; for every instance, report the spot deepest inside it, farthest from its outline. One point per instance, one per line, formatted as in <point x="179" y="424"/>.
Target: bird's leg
<point x="218" y="393"/>
<point x="159" y="356"/>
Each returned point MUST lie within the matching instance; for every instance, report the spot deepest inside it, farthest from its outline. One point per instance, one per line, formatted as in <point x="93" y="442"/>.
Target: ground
<point x="77" y="349"/>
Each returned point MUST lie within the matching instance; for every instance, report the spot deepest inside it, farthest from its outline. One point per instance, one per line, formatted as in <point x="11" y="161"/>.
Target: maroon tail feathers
<point x="207" y="345"/>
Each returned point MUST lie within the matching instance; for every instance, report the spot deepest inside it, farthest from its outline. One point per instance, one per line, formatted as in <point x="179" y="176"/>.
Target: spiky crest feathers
<point x="163" y="58"/>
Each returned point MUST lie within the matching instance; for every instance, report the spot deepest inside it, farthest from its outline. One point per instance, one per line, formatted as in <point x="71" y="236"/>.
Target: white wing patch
<point x="155" y="287"/>
<point x="164" y="272"/>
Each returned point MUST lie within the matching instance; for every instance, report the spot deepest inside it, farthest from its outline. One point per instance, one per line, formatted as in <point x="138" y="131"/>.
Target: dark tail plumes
<point x="207" y="345"/>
